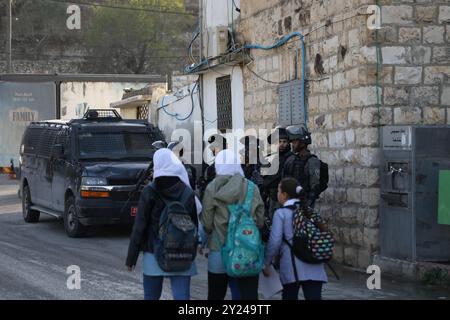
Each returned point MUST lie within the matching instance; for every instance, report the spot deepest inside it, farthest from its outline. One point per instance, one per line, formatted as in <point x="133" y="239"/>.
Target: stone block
<point x="420" y="55"/>
<point x="364" y="258"/>
<point x="444" y="14"/>
<point x="354" y="195"/>
<point x="401" y="15"/>
<point x="367" y="137"/>
<point x="349" y="175"/>
<point x="445" y="98"/>
<point x="363" y="96"/>
<point x="437" y="75"/>
<point x="370" y="157"/>
<point x="354" y="38"/>
<point x="433" y="34"/>
<point x="441" y="55"/>
<point x="354" y="117"/>
<point x="408" y="75"/>
<point x="424" y="96"/>
<point x="367" y="177"/>
<point x="356" y="236"/>
<point x="323" y="103"/>
<point x="348" y="215"/>
<point x="371" y="218"/>
<point x="333" y="103"/>
<point x="407" y="115"/>
<point x="409" y="35"/>
<point x="350" y="156"/>
<point x="340" y="120"/>
<point x="426" y="14"/>
<point x="344" y="98"/>
<point x="434" y="115"/>
<point x="337" y="139"/>
<point x="394" y="96"/>
<point x="350" y="256"/>
<point x="395" y="55"/>
<point x="371" y="238"/>
<point x="313" y="105"/>
<point x="320" y="139"/>
<point x="340" y="195"/>
<point x="350" y="137"/>
<point x="331" y="46"/>
<point x="370" y="197"/>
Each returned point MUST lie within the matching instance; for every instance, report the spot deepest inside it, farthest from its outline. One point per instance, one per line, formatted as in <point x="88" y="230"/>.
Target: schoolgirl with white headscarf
<point x="170" y="180"/>
<point x="229" y="187"/>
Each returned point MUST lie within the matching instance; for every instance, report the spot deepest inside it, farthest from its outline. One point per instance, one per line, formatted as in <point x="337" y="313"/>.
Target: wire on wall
<point x="176" y="115"/>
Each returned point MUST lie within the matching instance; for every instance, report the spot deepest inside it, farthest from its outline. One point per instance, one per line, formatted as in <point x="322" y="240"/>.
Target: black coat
<point x="149" y="211"/>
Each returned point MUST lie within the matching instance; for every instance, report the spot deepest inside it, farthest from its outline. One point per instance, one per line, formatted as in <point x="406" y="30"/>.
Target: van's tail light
<point x="94" y="194"/>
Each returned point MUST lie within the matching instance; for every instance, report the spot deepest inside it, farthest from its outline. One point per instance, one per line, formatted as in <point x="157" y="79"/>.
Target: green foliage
<point x="113" y="40"/>
<point x="125" y="41"/>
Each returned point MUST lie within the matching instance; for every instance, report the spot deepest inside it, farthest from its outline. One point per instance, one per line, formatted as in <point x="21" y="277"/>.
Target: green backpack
<point x="243" y="251"/>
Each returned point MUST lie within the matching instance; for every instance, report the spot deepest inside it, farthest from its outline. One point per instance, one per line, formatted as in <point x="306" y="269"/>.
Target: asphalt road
<point x="34" y="259"/>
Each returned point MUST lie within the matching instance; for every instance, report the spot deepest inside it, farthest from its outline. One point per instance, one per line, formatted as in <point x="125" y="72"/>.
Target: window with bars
<point x="224" y="107"/>
<point x="142" y="112"/>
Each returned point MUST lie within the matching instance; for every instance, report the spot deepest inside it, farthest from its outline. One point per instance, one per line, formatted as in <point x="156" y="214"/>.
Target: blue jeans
<point x="180" y="287"/>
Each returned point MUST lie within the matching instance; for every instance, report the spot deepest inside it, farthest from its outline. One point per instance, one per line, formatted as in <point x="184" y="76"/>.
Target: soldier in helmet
<point x="270" y="185"/>
<point x="250" y="160"/>
<point x="217" y="143"/>
<point x="303" y="165"/>
<point x="159" y="144"/>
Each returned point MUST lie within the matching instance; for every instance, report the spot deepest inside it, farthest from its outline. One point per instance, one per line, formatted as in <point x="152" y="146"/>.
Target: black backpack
<point x="175" y="246"/>
<point x="324" y="175"/>
<point x="299" y="166"/>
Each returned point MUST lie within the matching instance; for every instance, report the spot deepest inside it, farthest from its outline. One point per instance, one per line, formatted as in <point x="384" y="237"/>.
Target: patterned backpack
<point x="312" y="242"/>
<point x="243" y="252"/>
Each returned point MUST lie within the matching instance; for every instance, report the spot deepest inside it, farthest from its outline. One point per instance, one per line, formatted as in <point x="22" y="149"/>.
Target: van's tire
<point x="29" y="215"/>
<point x="72" y="225"/>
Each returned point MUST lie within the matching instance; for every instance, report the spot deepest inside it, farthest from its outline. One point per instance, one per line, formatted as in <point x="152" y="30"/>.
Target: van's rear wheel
<point x="72" y="225"/>
<point x="29" y="215"/>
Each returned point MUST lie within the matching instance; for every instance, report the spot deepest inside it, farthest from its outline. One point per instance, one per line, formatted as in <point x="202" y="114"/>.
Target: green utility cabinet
<point x="444" y="197"/>
<point x="415" y="193"/>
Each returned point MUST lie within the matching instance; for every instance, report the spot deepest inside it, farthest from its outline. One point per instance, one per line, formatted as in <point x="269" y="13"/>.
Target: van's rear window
<point x="114" y="145"/>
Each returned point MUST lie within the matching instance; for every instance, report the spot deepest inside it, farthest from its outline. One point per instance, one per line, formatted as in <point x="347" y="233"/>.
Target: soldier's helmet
<point x="282" y="134"/>
<point x="173" y="144"/>
<point x="217" y="141"/>
<point x="299" y="133"/>
<point x="159" y="144"/>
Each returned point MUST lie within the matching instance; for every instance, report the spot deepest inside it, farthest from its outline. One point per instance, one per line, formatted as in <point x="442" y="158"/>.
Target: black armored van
<point x="85" y="171"/>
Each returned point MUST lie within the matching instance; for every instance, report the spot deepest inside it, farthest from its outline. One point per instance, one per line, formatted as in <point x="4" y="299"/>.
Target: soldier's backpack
<point x="299" y="167"/>
<point x="324" y="175"/>
<point x="243" y="251"/>
<point x="175" y="247"/>
<point x="312" y="241"/>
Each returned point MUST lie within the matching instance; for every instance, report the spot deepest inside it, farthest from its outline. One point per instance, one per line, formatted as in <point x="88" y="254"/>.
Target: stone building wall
<point x="416" y="55"/>
<point x="347" y="102"/>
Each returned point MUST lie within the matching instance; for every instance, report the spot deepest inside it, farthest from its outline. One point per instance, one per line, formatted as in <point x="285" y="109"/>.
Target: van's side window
<point x="63" y="139"/>
<point x="46" y="142"/>
<point x="31" y="140"/>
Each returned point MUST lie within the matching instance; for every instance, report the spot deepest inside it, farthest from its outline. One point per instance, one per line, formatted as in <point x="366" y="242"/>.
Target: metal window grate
<point x="46" y="142"/>
<point x="142" y="112"/>
<point x="224" y="107"/>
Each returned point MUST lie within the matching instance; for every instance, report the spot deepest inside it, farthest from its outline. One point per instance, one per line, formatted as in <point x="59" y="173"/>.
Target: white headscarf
<point x="227" y="163"/>
<point x="166" y="164"/>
